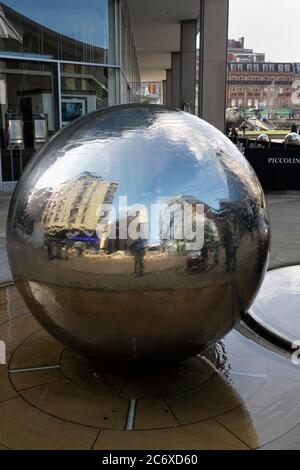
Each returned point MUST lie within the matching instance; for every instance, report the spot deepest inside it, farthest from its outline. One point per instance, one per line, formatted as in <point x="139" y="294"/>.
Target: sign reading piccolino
<point x="277" y="169"/>
<point x="284" y="160"/>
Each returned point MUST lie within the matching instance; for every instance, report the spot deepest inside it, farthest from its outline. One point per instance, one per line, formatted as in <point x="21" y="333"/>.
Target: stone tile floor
<point x="284" y="211"/>
<point x="240" y="395"/>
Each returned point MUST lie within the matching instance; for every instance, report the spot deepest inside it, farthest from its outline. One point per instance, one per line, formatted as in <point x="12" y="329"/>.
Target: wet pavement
<point x="239" y="395"/>
<point x="284" y="212"/>
<point x="277" y="306"/>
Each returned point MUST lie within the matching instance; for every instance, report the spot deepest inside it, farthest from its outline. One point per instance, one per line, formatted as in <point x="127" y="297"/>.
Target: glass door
<point x="28" y="112"/>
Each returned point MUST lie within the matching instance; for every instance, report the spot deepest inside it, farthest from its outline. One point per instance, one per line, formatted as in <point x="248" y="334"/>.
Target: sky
<point x="270" y="26"/>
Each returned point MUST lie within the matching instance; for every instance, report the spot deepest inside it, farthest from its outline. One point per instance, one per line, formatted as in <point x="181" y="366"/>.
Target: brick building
<point x="238" y="53"/>
<point x="261" y="84"/>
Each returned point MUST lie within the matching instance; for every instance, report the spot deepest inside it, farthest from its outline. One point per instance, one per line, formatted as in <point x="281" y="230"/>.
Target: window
<point x="287" y="67"/>
<point x="233" y="67"/>
<point x="249" y="103"/>
<point x="197" y="81"/>
<point x="249" y="67"/>
<point x="84" y="89"/>
<point x="31" y="94"/>
<point x="256" y="67"/>
<point x="280" y="68"/>
<point x="129" y="61"/>
<point x="265" y="67"/>
<point x="271" y="67"/>
<point x="27" y="90"/>
<point x="249" y="90"/>
<point x="240" y="102"/>
<point x="240" y="67"/>
<point x="280" y="91"/>
<point x="233" y="103"/>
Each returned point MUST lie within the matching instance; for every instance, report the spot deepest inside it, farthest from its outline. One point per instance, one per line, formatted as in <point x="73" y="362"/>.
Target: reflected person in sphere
<point x="231" y="246"/>
<point x="137" y="249"/>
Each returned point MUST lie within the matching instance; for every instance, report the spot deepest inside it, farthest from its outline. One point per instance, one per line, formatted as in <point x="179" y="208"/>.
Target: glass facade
<point x="198" y="111"/>
<point x="59" y="60"/>
<point x="130" y="70"/>
<point x="27" y="92"/>
<point x="197" y="82"/>
<point x="74" y="30"/>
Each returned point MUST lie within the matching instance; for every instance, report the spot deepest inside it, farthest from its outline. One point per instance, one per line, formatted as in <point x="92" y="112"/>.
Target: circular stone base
<point x="238" y="395"/>
<point x="135" y="383"/>
<point x="276" y="309"/>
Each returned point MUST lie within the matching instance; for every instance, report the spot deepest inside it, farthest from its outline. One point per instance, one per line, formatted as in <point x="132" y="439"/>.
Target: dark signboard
<point x="276" y="168"/>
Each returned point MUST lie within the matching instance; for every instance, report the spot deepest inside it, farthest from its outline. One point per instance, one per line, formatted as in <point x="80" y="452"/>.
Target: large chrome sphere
<point x="138" y="233"/>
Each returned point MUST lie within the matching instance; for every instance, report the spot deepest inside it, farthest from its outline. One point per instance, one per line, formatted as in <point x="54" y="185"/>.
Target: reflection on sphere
<point x="114" y="280"/>
<point x="292" y="138"/>
<point x="263" y="138"/>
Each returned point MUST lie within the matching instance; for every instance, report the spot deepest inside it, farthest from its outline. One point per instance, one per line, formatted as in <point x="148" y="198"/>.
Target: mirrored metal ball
<point x="138" y="233"/>
<point x="292" y="138"/>
<point x="263" y="138"/>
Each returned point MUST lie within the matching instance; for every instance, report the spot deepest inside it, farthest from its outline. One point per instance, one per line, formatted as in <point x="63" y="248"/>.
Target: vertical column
<point x="228" y="97"/>
<point x="175" y="65"/>
<point x="57" y="95"/>
<point x="169" y="88"/>
<point x="188" y="63"/>
<point x="164" y="92"/>
<point x="213" y="59"/>
<point x="1" y="177"/>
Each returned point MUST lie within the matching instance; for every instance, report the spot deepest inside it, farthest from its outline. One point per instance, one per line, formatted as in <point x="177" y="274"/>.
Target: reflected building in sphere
<point x="79" y="202"/>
